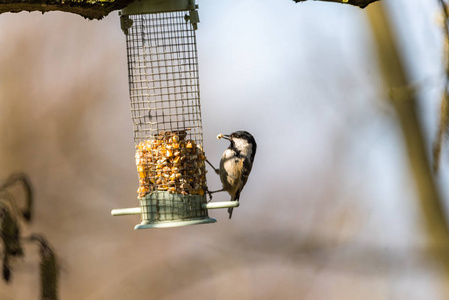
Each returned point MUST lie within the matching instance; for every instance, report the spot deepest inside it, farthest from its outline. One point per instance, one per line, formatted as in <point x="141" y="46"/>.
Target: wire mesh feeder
<point x="166" y="113"/>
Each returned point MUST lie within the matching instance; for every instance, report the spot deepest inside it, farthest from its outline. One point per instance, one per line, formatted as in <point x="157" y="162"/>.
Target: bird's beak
<point x="226" y="137"/>
<point x="223" y="136"/>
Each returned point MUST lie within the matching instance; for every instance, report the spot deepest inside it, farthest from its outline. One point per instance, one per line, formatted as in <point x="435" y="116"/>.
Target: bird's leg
<point x="210" y="196"/>
<point x="212" y="192"/>
<point x="216" y="170"/>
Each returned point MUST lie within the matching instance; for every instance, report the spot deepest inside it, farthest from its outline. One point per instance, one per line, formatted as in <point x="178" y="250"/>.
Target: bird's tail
<point x="234" y="198"/>
<point x="230" y="211"/>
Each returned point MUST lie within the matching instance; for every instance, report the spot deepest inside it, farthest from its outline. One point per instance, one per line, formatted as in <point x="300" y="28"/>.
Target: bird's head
<point x="241" y="141"/>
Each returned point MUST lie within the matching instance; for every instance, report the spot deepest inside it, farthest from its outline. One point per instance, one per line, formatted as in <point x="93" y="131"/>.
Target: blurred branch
<point x="404" y="102"/>
<point x="444" y="106"/>
<point x="23" y="179"/>
<point x="90" y="9"/>
<point x="49" y="268"/>
<point x="6" y="268"/>
<point x="359" y="3"/>
<point x="10" y="234"/>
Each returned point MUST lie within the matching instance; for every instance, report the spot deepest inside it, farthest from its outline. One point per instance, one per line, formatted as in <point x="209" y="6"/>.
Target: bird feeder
<point x="166" y="114"/>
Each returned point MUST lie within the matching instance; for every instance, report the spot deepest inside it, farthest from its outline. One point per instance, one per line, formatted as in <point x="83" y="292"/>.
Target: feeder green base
<point x="170" y="224"/>
<point x="165" y="210"/>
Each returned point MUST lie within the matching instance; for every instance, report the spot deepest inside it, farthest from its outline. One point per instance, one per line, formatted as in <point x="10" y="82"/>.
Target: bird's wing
<point x="244" y="178"/>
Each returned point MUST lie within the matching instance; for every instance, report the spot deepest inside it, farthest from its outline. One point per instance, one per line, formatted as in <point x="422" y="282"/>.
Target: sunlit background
<point x="329" y="211"/>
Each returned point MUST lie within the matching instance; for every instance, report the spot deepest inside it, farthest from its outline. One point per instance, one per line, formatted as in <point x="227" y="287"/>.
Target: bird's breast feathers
<point x="232" y="166"/>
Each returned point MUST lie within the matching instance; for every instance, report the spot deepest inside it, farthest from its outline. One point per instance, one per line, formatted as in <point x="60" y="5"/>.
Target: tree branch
<point x="98" y="9"/>
<point x="404" y="101"/>
<point x="90" y="9"/>
<point x="359" y="3"/>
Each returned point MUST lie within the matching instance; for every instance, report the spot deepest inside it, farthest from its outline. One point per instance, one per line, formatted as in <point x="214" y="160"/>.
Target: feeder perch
<point x="166" y="114"/>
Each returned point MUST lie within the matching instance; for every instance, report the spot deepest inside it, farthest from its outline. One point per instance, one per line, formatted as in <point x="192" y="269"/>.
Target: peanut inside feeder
<point x="171" y="163"/>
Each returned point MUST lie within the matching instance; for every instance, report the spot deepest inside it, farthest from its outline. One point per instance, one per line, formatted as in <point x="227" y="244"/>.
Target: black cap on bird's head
<point x="241" y="134"/>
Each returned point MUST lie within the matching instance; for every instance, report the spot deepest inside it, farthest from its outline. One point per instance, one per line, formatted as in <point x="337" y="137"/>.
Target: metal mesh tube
<point x="166" y="114"/>
<point x="163" y="76"/>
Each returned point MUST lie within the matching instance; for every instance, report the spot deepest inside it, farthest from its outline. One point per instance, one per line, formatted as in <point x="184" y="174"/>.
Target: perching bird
<point x="236" y="163"/>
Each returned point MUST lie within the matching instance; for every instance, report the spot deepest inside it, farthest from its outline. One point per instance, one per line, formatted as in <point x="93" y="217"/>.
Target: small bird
<point x="236" y="163"/>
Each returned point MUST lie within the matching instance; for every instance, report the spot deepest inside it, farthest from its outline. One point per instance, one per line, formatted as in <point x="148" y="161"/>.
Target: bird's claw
<point x="210" y="196"/>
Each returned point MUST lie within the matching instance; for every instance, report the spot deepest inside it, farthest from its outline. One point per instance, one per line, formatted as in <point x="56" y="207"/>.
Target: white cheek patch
<point x="243" y="146"/>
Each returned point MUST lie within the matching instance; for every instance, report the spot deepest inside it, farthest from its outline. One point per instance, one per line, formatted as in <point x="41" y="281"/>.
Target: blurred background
<point x="330" y="210"/>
